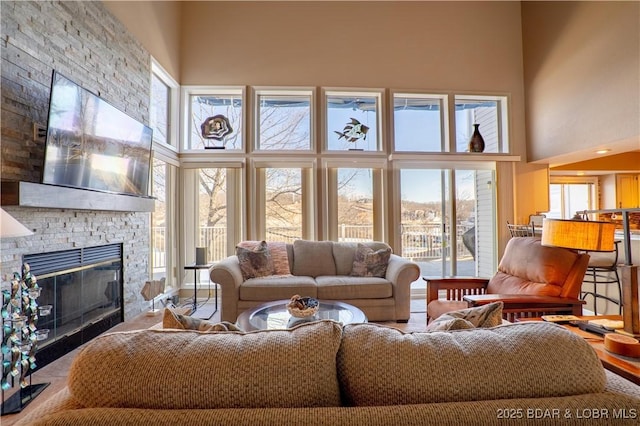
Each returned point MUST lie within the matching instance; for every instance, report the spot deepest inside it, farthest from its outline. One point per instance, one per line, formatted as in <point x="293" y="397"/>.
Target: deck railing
<point x="418" y="241"/>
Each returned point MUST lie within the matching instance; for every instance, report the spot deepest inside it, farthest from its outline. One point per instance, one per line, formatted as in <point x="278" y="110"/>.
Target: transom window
<point x="490" y="115"/>
<point x="353" y="120"/>
<point x="419" y="123"/>
<point x="215" y="119"/>
<point x="284" y="120"/>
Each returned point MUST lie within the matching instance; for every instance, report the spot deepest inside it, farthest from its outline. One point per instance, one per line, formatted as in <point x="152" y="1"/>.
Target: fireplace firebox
<point x="84" y="289"/>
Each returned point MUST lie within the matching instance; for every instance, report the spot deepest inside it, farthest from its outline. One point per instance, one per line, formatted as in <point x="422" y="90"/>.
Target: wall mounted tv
<point x="91" y="144"/>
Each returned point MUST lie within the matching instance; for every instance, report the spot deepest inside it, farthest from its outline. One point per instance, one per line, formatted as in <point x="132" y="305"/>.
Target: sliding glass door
<point x="448" y="220"/>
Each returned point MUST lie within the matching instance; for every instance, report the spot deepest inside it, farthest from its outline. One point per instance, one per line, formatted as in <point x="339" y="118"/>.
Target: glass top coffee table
<point x="274" y="315"/>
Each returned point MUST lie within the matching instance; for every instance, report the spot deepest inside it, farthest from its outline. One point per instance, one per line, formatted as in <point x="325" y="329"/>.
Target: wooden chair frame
<point x="474" y="292"/>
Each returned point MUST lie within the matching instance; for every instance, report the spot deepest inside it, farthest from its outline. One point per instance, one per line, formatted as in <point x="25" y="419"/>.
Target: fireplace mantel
<point x="30" y="194"/>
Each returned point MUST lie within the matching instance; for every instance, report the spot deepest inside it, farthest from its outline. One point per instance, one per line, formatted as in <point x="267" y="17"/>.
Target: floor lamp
<point x="12" y="334"/>
<point x="599" y="236"/>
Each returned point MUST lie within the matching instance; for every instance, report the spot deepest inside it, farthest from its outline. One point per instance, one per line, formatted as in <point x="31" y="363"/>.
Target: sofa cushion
<point x="486" y="316"/>
<point x="370" y="263"/>
<point x="338" y="287"/>
<point x="255" y="262"/>
<point x="172" y="319"/>
<point x="313" y="258"/>
<point x="171" y="369"/>
<point x="278" y="252"/>
<point x="344" y="252"/>
<point x="380" y="365"/>
<point x="277" y="287"/>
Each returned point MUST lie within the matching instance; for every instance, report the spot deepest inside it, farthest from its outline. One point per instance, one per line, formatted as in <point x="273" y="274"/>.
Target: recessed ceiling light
<point x="602" y="151"/>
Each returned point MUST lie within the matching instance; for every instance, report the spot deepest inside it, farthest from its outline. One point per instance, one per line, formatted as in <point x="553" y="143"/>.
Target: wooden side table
<point x="629" y="368"/>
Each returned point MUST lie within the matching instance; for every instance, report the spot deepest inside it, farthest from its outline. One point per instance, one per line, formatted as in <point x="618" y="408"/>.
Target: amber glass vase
<point x="476" y="143"/>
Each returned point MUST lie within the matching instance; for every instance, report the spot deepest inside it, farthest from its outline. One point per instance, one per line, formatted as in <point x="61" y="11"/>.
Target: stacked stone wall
<point x="84" y="42"/>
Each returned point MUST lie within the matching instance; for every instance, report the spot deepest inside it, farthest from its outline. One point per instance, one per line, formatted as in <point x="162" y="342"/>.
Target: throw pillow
<point x="449" y="324"/>
<point x="486" y="316"/>
<point x="172" y="319"/>
<point x="370" y="263"/>
<point x="279" y="256"/>
<point x="255" y="262"/>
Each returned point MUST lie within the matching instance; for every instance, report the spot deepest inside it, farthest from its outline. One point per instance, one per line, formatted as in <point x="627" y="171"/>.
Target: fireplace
<point x="84" y="289"/>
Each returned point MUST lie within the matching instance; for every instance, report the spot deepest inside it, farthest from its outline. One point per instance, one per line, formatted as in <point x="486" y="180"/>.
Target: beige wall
<point x="417" y="45"/>
<point x="156" y="25"/>
<point x="582" y="77"/>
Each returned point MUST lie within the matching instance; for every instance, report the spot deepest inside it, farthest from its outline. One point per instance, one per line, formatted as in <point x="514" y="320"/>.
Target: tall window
<point x="283" y="204"/>
<point x="297" y="167"/>
<point x="163" y="241"/>
<point x="163" y="119"/>
<point x="355" y="204"/>
<point x="212" y="212"/>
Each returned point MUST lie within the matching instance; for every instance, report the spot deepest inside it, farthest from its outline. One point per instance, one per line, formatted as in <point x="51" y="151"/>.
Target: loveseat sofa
<point x="321" y="269"/>
<point x="323" y="373"/>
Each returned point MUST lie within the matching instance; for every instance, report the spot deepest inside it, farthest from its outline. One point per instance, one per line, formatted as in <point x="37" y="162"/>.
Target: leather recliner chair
<point x="532" y="280"/>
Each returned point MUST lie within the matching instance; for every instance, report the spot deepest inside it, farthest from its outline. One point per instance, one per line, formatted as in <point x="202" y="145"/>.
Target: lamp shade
<point x="9" y="227"/>
<point x="578" y="234"/>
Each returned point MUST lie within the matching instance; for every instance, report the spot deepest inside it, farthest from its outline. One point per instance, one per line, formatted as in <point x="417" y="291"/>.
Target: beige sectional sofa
<point x="323" y="373"/>
<point x="321" y="269"/>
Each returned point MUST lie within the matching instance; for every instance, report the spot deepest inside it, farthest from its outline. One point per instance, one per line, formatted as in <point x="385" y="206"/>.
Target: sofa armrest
<point x="228" y="275"/>
<point x="527" y="305"/>
<point x="455" y="287"/>
<point x="401" y="273"/>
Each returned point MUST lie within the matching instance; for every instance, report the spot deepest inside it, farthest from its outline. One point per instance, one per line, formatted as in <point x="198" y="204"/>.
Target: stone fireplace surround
<point x="65" y="229"/>
<point x="84" y="41"/>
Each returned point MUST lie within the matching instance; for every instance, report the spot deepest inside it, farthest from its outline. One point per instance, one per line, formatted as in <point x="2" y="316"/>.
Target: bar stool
<point x="603" y="269"/>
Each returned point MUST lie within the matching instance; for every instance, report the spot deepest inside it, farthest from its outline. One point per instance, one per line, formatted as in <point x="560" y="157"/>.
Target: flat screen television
<point x="91" y="144"/>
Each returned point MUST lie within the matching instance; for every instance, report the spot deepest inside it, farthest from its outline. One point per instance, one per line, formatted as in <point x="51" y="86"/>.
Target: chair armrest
<point x="455" y="287"/>
<point x="228" y="275"/>
<point x="401" y="273"/>
<point x="526" y="305"/>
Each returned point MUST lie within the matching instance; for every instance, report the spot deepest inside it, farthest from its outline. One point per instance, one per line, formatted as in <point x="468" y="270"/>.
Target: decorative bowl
<point x="302" y="307"/>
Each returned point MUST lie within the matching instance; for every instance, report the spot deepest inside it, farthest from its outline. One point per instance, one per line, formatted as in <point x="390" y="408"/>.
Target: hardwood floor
<point x="56" y="372"/>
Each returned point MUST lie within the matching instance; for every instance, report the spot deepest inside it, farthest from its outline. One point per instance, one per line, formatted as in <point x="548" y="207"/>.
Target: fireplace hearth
<point x="84" y="288"/>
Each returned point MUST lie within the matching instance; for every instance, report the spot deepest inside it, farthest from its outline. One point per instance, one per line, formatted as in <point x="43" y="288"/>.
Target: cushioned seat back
<point x="380" y="365"/>
<point x="313" y="258"/>
<point x="527" y="267"/>
<point x="180" y="369"/>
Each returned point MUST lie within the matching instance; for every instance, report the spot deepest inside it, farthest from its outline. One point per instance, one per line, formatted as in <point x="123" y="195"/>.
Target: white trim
<point x="173" y="135"/>
<point x="185" y="123"/>
<point x="381" y="109"/>
<point x="257" y="91"/>
<point x="443" y="99"/>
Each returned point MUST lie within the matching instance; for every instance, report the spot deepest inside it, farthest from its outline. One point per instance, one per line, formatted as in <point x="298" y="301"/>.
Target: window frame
<point x="381" y="115"/>
<point x="503" y="103"/>
<point x="173" y="118"/>
<point x="257" y="92"/>
<point x="188" y="91"/>
<point x="444" y="120"/>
